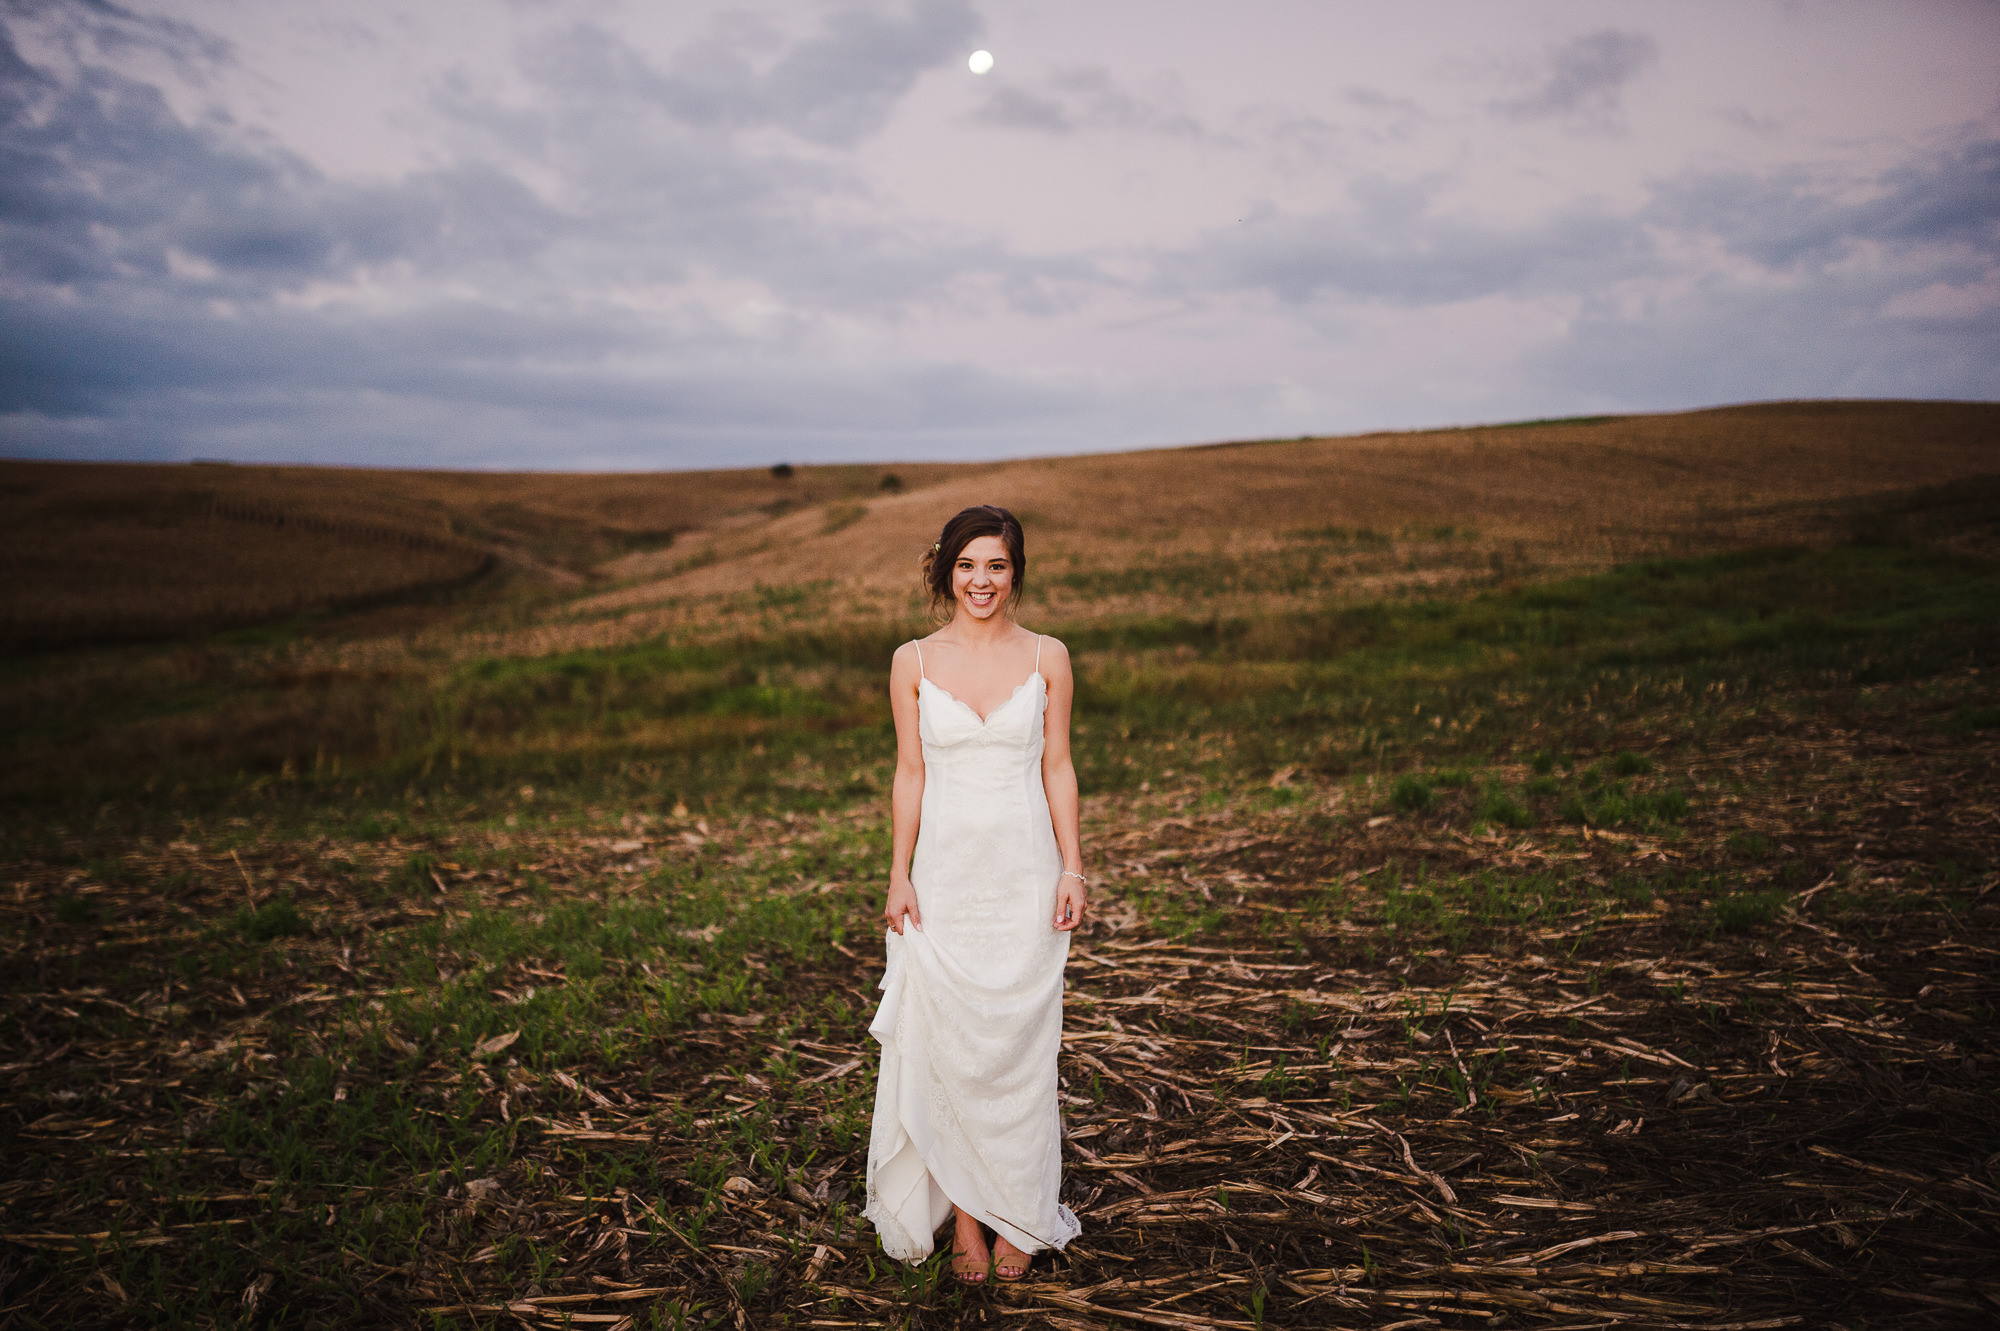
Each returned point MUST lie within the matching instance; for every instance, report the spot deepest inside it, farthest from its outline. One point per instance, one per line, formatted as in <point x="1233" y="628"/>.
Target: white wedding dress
<point x="971" y="1013"/>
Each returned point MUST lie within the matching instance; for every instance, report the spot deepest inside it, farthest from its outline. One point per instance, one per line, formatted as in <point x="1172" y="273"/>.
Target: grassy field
<point x="123" y="553"/>
<point x="1572" y="939"/>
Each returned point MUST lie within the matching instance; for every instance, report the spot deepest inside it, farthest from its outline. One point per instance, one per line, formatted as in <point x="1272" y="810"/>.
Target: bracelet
<point x="1071" y="873"/>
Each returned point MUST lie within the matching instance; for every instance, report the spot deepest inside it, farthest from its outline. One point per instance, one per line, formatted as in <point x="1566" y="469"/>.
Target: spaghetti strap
<point x="920" y="656"/>
<point x="1038" y="653"/>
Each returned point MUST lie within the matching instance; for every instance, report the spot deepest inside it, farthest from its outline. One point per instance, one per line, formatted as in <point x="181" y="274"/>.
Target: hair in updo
<point x="965" y="527"/>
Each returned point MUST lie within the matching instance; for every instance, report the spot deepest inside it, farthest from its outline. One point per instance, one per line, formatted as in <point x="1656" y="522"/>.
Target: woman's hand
<point x="902" y="905"/>
<point x="1069" y="901"/>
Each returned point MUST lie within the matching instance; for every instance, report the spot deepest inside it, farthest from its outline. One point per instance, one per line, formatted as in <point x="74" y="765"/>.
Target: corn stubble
<point x="1472" y="948"/>
<point x="543" y="1086"/>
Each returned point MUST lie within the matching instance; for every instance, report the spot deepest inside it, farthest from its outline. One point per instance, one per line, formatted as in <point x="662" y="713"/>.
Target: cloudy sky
<point x="601" y="233"/>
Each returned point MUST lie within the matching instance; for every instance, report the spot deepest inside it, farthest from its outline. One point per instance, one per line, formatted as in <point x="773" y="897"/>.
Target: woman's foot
<point x="971" y="1262"/>
<point x="970" y="1268"/>
<point x="1009" y="1262"/>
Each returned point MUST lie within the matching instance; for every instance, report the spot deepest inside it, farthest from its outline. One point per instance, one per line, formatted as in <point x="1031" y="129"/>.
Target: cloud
<point x="1018" y="108"/>
<point x="104" y="28"/>
<point x="1788" y="219"/>
<point x="1079" y="99"/>
<point x="841" y="85"/>
<point x="1740" y="341"/>
<point x="1882" y="286"/>
<point x="1374" y="99"/>
<point x="634" y="258"/>
<point x="1886" y="285"/>
<point x="1934" y="219"/>
<point x="103" y="189"/>
<point x="1391" y="247"/>
<point x="836" y="87"/>
<point x="1585" y="77"/>
<point x="669" y="187"/>
<point x="166" y="287"/>
<point x="536" y="388"/>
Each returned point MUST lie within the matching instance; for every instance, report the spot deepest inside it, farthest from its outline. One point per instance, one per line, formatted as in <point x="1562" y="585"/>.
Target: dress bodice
<point x="946" y="722"/>
<point x="980" y="776"/>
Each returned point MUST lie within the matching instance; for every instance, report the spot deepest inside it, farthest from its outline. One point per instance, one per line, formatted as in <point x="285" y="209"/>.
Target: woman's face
<point x="981" y="577"/>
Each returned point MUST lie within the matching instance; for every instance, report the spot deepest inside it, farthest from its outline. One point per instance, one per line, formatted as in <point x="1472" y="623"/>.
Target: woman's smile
<point x="982" y="577"/>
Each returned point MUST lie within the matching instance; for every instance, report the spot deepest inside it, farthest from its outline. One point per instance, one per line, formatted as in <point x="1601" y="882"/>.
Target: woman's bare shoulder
<point x="1054" y="653"/>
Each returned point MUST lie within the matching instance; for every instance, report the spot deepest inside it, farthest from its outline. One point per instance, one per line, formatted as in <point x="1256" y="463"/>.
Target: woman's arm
<point x="1059" y="781"/>
<point x="906" y="799"/>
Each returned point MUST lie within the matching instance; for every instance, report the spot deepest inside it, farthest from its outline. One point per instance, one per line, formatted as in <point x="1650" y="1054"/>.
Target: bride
<point x="985" y="883"/>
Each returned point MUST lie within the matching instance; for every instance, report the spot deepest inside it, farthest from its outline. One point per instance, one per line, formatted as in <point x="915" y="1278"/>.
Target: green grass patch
<point x="1615" y="806"/>
<point x="277" y="918"/>
<point x="1746" y="912"/>
<point x="76" y="910"/>
<point x="1417" y="905"/>
<point x="1750" y="845"/>
<point x="1412" y="794"/>
<point x="1627" y="763"/>
<point x="1502" y="809"/>
<point x="1971" y="720"/>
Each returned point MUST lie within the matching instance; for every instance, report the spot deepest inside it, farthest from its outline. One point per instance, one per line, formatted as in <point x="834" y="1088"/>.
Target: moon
<point x="980" y="62"/>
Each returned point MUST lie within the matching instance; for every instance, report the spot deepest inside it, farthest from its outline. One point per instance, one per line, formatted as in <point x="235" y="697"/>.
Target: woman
<point x="985" y="883"/>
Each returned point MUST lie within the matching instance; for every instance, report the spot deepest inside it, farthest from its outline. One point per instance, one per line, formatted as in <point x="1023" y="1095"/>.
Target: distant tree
<point x="782" y="470"/>
<point x="891" y="483"/>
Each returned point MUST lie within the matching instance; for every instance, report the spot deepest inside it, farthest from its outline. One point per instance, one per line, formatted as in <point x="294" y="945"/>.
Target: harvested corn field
<point x="1606" y="950"/>
<point x="1330" y="1059"/>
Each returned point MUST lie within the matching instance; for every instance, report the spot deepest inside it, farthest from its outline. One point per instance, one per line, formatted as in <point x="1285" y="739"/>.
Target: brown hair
<point x="965" y="527"/>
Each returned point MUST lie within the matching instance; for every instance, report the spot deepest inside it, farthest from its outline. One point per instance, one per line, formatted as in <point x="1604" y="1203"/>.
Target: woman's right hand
<point x="902" y="905"/>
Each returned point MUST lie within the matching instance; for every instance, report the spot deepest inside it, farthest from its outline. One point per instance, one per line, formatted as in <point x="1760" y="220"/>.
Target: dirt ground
<point x="1307" y="1111"/>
